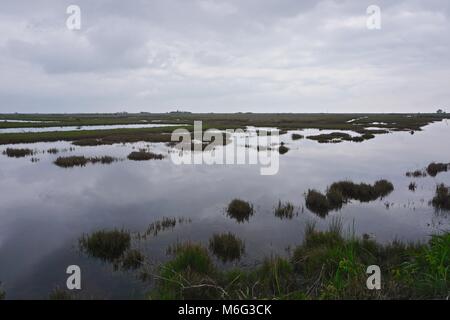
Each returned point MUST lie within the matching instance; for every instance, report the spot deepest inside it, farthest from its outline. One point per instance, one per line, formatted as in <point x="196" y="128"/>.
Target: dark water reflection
<point x="44" y="209"/>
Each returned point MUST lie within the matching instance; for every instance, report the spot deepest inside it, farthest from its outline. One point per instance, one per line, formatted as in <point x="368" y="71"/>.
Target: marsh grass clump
<point x="103" y="160"/>
<point x="381" y="189"/>
<point x="326" y="265"/>
<point x="284" y="210"/>
<point x="240" y="210"/>
<point x="336" y="195"/>
<point x="412" y="186"/>
<point x="337" y="137"/>
<point x="317" y="202"/>
<point x="309" y="257"/>
<point x="18" y="153"/>
<point x="355" y="139"/>
<point x="53" y="150"/>
<point x="297" y="136"/>
<point x="416" y="174"/>
<point x="340" y="193"/>
<point x="434" y="168"/>
<point x="189" y="275"/>
<point x="227" y="247"/>
<point x="441" y="199"/>
<point x="106" y="245"/>
<point x="334" y="137"/>
<point x="72" y="161"/>
<point x="81" y="161"/>
<point x="143" y="155"/>
<point x="283" y="149"/>
<point x="362" y="192"/>
<point x="368" y="136"/>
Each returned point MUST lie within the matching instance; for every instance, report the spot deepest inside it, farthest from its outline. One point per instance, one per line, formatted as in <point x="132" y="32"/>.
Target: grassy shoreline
<point x="326" y="265"/>
<point x="359" y="123"/>
<point x="160" y="134"/>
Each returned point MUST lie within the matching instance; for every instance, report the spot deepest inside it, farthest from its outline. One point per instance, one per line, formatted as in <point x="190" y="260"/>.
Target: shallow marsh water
<point x="44" y="209"/>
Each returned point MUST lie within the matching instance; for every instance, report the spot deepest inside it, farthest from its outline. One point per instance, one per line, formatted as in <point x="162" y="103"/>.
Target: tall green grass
<point x="326" y="265"/>
<point x="227" y="247"/>
<point x="188" y="276"/>
<point x="81" y="161"/>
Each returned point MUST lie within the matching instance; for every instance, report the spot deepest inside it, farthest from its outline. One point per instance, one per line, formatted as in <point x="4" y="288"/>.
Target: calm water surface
<point x="44" y="209"/>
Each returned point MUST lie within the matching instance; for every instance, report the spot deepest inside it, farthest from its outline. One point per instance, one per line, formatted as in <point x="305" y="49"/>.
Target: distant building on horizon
<point x="180" y="112"/>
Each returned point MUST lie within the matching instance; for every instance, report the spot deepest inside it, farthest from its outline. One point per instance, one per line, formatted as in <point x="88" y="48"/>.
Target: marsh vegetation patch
<point x="337" y="137"/>
<point x="240" y="210"/>
<point x="106" y="245"/>
<point x="143" y="155"/>
<point x="81" y="161"/>
<point x="441" y="199"/>
<point x="226" y="246"/>
<point x="340" y="193"/>
<point x="326" y="265"/>
<point x="283" y="149"/>
<point x="297" y="136"/>
<point x="434" y="168"/>
<point x="18" y="153"/>
<point x="284" y="210"/>
<point x="416" y="174"/>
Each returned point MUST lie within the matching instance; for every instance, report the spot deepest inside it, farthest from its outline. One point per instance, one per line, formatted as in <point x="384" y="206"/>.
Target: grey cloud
<point x="236" y="55"/>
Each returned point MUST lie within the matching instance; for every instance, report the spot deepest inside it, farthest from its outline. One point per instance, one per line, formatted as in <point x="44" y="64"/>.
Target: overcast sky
<point x="224" y="56"/>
